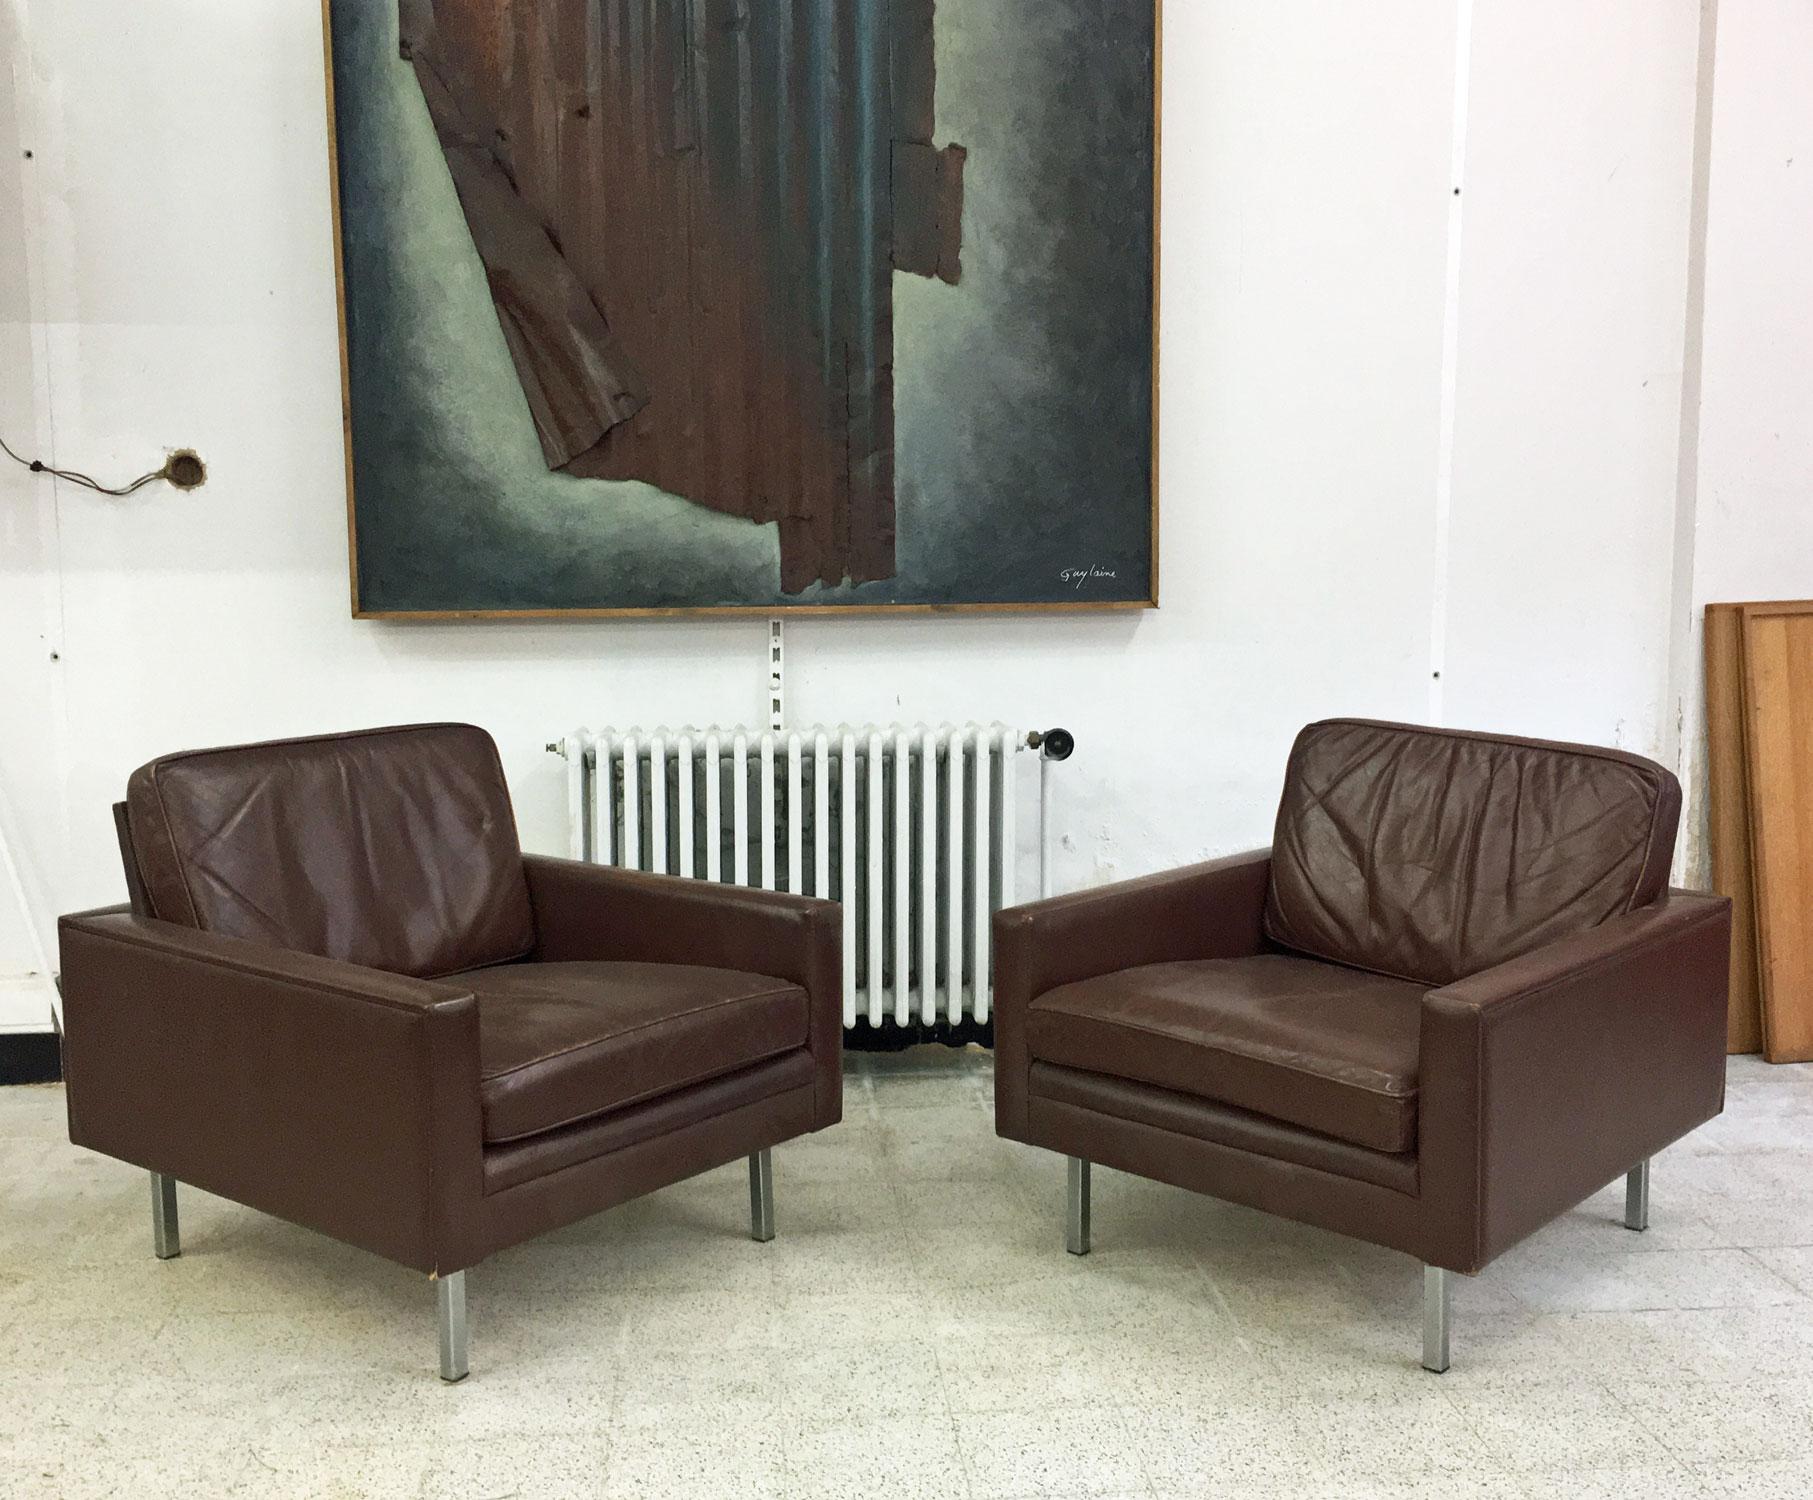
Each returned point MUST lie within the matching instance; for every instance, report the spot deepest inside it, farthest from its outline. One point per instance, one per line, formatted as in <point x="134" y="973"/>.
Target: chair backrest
<point x="1431" y="854"/>
<point x="392" y="848"/>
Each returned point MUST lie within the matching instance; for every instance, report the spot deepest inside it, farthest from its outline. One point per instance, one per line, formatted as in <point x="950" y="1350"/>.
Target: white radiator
<point x="913" y="830"/>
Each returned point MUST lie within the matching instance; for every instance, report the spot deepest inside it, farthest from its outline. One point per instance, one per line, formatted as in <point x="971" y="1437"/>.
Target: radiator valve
<point x="1054" y="744"/>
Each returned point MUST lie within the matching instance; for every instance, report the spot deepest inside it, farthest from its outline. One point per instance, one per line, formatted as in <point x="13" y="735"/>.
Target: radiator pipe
<point x="1052" y="744"/>
<point x="1044" y="828"/>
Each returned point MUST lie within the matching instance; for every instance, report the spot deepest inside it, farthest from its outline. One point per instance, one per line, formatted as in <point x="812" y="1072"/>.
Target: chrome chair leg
<point x="761" y="1196"/>
<point x="1437" y="1303"/>
<point x="450" y="1306"/>
<point x="166" y="1238"/>
<point x="1076" y="1229"/>
<point x="1636" y="1196"/>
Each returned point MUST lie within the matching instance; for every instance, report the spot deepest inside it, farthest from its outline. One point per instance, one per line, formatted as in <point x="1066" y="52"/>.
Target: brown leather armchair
<point x="342" y="995"/>
<point x="1453" y="1000"/>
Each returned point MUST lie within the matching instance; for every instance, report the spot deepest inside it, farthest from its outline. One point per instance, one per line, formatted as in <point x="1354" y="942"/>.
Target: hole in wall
<point x="185" y="470"/>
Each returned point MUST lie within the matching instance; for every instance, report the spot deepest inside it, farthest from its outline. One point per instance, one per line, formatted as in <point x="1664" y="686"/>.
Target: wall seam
<point x="23" y="877"/>
<point x="1681" y="745"/>
<point x="1450" y="367"/>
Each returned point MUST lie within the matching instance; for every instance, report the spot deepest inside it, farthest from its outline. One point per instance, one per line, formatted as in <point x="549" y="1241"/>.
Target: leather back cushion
<point x="1432" y="854"/>
<point x="392" y="848"/>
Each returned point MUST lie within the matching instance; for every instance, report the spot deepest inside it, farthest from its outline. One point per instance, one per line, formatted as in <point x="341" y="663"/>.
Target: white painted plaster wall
<point x="182" y="294"/>
<point x="1572" y="331"/>
<point x="1755" y="473"/>
<point x="27" y="753"/>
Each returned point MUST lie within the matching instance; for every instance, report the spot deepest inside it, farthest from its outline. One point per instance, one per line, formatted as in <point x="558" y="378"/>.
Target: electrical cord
<point x="38" y="466"/>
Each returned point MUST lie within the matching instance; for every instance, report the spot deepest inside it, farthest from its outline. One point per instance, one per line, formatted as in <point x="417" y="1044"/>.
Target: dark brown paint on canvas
<point x="690" y="212"/>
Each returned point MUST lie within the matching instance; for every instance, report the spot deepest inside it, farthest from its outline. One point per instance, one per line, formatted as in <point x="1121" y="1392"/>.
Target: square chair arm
<point x="1546" y="1077"/>
<point x="335" y="1096"/>
<point x="1212" y="910"/>
<point x="586" y="911"/>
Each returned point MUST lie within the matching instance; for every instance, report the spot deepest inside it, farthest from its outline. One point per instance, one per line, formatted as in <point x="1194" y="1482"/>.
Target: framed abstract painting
<point x="661" y="306"/>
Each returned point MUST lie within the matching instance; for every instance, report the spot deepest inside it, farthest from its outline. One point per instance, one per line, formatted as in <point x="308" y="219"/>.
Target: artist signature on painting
<point x="1077" y="577"/>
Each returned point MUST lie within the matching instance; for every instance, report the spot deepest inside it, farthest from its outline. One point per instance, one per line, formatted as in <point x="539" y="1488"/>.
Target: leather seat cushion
<point x="513" y="1163"/>
<point x="1312" y="1044"/>
<point x="564" y="1042"/>
<point x="1220" y="1125"/>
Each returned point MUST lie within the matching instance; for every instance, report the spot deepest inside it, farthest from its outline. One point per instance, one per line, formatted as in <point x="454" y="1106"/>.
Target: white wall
<point x="1312" y="563"/>
<point x="1572" y="331"/>
<point x="1755" y="474"/>
<point x="26" y="771"/>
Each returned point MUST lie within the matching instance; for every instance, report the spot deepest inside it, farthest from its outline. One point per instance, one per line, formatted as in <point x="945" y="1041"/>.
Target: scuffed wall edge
<point x="1685" y="701"/>
<point x="28" y="997"/>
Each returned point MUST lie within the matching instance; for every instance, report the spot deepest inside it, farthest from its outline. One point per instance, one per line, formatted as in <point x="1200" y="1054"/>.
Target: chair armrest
<point x="1545" y="1078"/>
<point x="1212" y="910"/>
<point x="338" y="1097"/>
<point x="587" y="911"/>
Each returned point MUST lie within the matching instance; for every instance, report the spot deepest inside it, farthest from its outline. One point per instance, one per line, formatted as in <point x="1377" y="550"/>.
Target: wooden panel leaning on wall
<point x="1728" y="820"/>
<point x="1778" y="741"/>
<point x="1759" y="729"/>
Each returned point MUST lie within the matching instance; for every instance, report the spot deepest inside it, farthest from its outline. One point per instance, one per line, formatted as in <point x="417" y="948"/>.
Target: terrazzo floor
<point x="916" y="1329"/>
